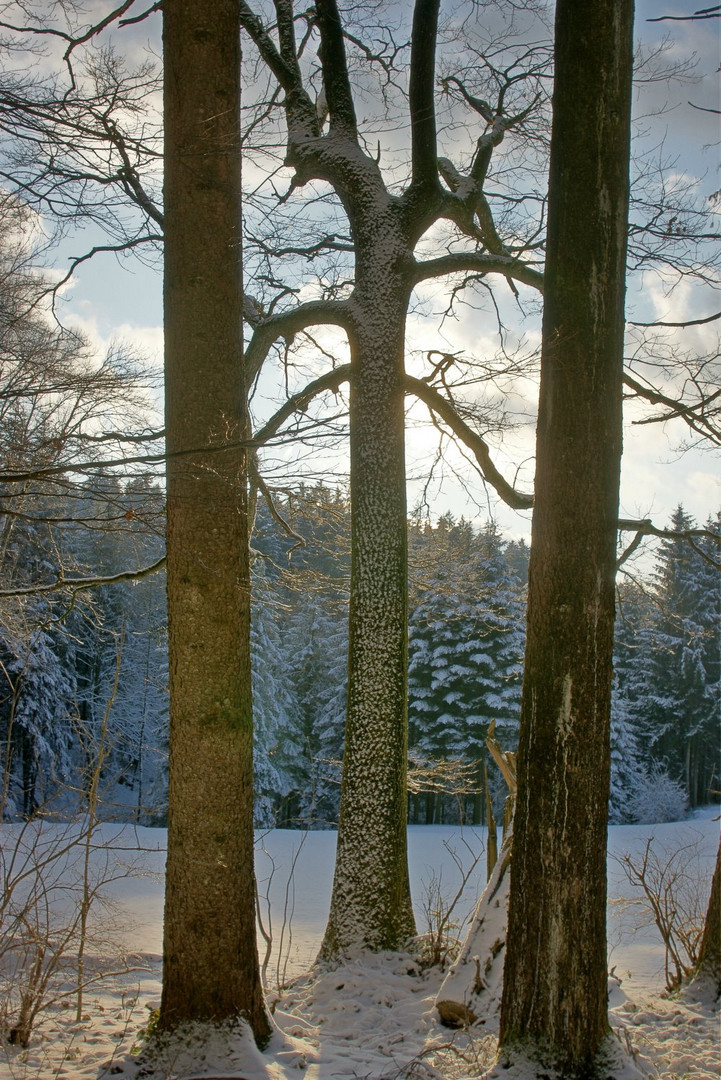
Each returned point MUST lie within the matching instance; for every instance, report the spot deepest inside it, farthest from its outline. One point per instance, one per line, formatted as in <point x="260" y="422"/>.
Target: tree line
<point x="466" y="646"/>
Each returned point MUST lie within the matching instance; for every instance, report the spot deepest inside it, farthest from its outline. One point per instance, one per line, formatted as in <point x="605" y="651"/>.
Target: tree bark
<point x="371" y="905"/>
<point x="210" y="962"/>
<point x="709" y="964"/>
<point x="554" y="998"/>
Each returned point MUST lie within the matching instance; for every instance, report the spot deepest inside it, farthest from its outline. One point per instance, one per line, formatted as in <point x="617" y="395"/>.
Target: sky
<point x="113" y="301"/>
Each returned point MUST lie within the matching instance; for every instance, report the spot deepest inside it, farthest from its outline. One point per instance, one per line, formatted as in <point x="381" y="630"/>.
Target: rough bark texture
<point x="371" y="905"/>
<point x="709" y="965"/>
<point x="210" y="963"/>
<point x="554" y="999"/>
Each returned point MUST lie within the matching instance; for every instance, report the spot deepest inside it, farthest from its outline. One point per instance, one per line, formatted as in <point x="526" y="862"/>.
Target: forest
<point x="400" y="246"/>
<point x="466" y="645"/>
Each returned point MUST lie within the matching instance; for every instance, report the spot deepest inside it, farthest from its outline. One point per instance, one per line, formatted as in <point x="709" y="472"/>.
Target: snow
<point x="374" y="1017"/>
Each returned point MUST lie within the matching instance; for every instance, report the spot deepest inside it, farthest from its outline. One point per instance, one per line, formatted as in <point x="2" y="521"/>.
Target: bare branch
<point x="78" y="584"/>
<point x="646" y="527"/>
<point x="338" y="94"/>
<point x="442" y="406"/>
<point x="479" y="263"/>
<point x="682" y="325"/>
<point x="332" y="380"/>
<point x="694" y="413"/>
<point x="275" y="513"/>
<point x="421" y="97"/>
<point x="300" y="110"/>
<point x="115" y="249"/>
<point x="713" y="12"/>
<point x="288" y="324"/>
<point x="143" y="15"/>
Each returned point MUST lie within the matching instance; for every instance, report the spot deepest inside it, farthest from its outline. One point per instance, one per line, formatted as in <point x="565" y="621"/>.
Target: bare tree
<point x="554" y="1005"/>
<point x="210" y="959"/>
<point x="371" y="902"/>
<point x="709" y="963"/>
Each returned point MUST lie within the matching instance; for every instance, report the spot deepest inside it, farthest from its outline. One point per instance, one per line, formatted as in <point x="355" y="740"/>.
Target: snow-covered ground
<point x="373" y="1018"/>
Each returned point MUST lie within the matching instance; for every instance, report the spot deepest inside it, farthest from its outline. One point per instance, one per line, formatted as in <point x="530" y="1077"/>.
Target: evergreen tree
<point x="465" y="647"/>
<point x="36" y="722"/>
<point x="273" y="709"/>
<point x="318" y="655"/>
<point x="629" y="753"/>
<point x="680" y="712"/>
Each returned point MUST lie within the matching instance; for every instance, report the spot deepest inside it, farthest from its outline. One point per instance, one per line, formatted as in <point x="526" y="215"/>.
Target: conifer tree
<point x="680" y="712"/>
<point x="465" y="645"/>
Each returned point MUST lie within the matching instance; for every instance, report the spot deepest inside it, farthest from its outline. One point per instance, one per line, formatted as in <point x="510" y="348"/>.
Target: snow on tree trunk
<point x="210" y="961"/>
<point x="371" y="905"/>
<point x="554" y="1005"/>
<point x="471" y="992"/>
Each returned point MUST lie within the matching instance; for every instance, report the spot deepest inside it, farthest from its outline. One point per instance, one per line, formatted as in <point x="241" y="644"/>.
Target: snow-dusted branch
<point x="300" y="110"/>
<point x="80" y="583"/>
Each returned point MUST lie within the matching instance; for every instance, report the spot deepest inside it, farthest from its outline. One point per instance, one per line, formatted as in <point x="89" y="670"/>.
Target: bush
<point x="657" y="798"/>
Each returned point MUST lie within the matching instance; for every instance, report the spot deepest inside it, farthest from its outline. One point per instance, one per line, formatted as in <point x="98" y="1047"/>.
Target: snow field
<point x="374" y="1018"/>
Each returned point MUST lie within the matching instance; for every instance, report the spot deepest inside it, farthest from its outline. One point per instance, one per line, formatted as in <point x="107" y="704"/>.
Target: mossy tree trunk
<point x="555" y="985"/>
<point x="210" y="962"/>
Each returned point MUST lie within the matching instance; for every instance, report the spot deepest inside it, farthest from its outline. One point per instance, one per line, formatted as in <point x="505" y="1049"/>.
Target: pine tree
<point x="681" y="707"/>
<point x="317" y="641"/>
<point x="37" y="731"/>
<point x="465" y="647"/>
<point x="628" y="754"/>
<point x="306" y="579"/>
<point x="275" y="754"/>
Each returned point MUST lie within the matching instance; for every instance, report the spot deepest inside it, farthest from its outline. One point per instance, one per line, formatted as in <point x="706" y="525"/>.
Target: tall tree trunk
<point x="554" y="998"/>
<point x="210" y="962"/>
<point x="709" y="964"/>
<point x="370" y="905"/>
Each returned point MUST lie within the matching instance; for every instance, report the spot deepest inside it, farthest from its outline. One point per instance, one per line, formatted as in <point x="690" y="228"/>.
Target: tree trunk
<point x="709" y="964"/>
<point x="210" y="962"/>
<point x="554" y="997"/>
<point x="371" y="905"/>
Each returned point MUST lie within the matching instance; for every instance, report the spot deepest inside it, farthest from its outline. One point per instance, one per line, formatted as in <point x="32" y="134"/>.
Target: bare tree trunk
<point x="554" y="998"/>
<point x="210" y="959"/>
<point x="709" y="964"/>
<point x="371" y="905"/>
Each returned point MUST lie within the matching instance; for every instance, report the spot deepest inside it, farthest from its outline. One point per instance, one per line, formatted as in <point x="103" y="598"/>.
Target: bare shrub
<point x="674" y="892"/>
<point x="54" y="877"/>
<point x="439" y="945"/>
